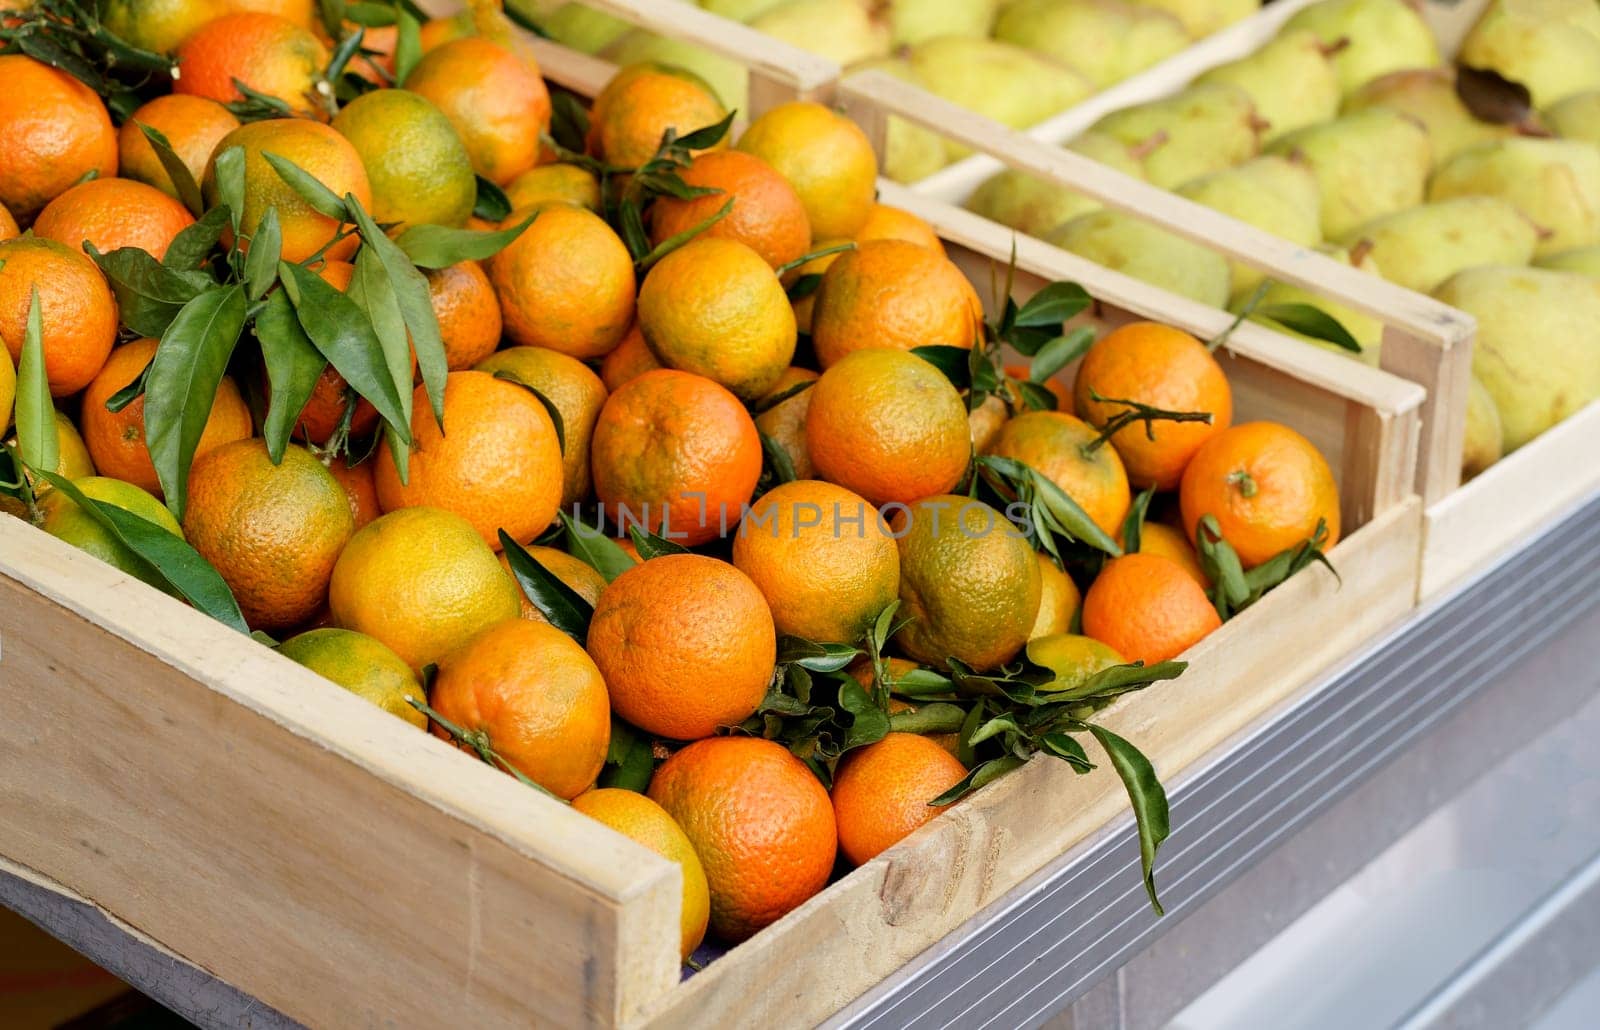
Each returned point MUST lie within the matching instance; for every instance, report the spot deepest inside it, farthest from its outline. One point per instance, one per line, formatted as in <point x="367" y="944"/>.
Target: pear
<point x="1576" y="117"/>
<point x="740" y="10"/>
<point x="913" y="21"/>
<point x="1034" y="206"/>
<point x="1429" y="96"/>
<point x="1131" y="245"/>
<point x="1556" y="183"/>
<point x="1484" y="444"/>
<point x="1106" y="40"/>
<point x="1205" y="128"/>
<point x="1291" y="80"/>
<point x="1538" y="349"/>
<point x="911" y="152"/>
<point x="1421" y="247"/>
<point x="1548" y="46"/>
<point x="1014" y="86"/>
<point x="843" y="31"/>
<point x="1271" y="193"/>
<point x="727" y="78"/>
<point x="1369" y="163"/>
<point x="1367" y="331"/>
<point x="1380" y="36"/>
<point x="583" y="28"/>
<point x="1584" y="261"/>
<point x="1201" y="18"/>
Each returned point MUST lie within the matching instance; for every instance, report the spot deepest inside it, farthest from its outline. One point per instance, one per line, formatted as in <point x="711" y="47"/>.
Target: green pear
<point x="1547" y="46"/>
<point x="913" y="21"/>
<point x="1367" y="331"/>
<point x="726" y="77"/>
<point x="583" y="28"/>
<point x="1206" y="128"/>
<point x="1035" y="206"/>
<point x="1132" y="246"/>
<point x="1429" y="96"/>
<point x="1556" y="183"/>
<point x="1369" y="164"/>
<point x="1291" y="80"/>
<point x="740" y="10"/>
<point x="1538" y="349"/>
<point x="1201" y="18"/>
<point x="1421" y="247"/>
<point x="1106" y="40"/>
<point x="1584" y="261"/>
<point x="1271" y="193"/>
<point x="1484" y="443"/>
<point x="1014" y="86"/>
<point x="911" y="152"/>
<point x="1380" y="36"/>
<point x="1576" y="117"/>
<point x="843" y="31"/>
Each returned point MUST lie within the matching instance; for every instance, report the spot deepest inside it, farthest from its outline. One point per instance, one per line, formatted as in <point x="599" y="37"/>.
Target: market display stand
<point x="1061" y="937"/>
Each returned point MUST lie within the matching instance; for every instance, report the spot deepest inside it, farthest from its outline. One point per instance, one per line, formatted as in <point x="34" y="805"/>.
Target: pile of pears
<point x="1016" y="61"/>
<point x="1349" y="133"/>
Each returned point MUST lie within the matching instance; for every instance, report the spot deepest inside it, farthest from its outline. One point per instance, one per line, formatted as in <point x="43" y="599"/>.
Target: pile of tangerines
<point x="702" y="478"/>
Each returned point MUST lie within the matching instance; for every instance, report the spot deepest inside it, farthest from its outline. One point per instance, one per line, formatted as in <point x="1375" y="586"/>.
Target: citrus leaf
<point x="407" y="47"/>
<point x="189" y="575"/>
<point x="1036" y="396"/>
<point x="673" y="242"/>
<point x="415" y="302"/>
<point x="778" y="460"/>
<point x="561" y="605"/>
<point x="370" y="15"/>
<point x="149" y="294"/>
<point x="822" y="252"/>
<point x="1149" y="801"/>
<point x="1052" y="306"/>
<point x="177" y="171"/>
<point x="649" y="545"/>
<point x="182" y="383"/>
<point x="1071" y="517"/>
<point x="35" y="411"/>
<point x="371" y="290"/>
<point x="1310" y="321"/>
<point x="593" y="547"/>
<point x="1064" y="747"/>
<point x="333" y="13"/>
<point x="569" y="121"/>
<point x="1133" y="525"/>
<point x="969" y="726"/>
<point x="261" y="263"/>
<point x="309" y="187"/>
<point x="630" y="760"/>
<point x="993" y="728"/>
<point x="189" y="248"/>
<point x="228" y="169"/>
<point x="344" y="52"/>
<point x="344" y="335"/>
<point x="869" y="724"/>
<point x="813" y="655"/>
<point x="708" y="136"/>
<point x="954" y="362"/>
<point x="804" y="286"/>
<point x="978" y="777"/>
<point x="549" y="405"/>
<point x="293" y="367"/>
<point x="439" y="246"/>
<point x="130" y="393"/>
<point x="492" y="204"/>
<point x="1059" y="353"/>
<point x="1230" y="591"/>
<point x="1119" y="679"/>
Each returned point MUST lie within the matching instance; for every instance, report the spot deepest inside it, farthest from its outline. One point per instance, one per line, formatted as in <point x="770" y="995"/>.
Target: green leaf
<point x="709" y="136"/>
<point x="1133" y="525"/>
<point x="1059" y="353"/>
<point x="673" y="242"/>
<point x="1052" y="306"/>
<point x="993" y="728"/>
<point x="822" y="252"/>
<point x="1064" y="747"/>
<point x="130" y="393"/>
<point x="869" y="723"/>
<point x="1071" y="517"/>
<point x="561" y="605"/>
<point x="309" y="187"/>
<point x="883" y="626"/>
<point x="1310" y="321"/>
<point x="969" y="726"/>
<point x="1037" y="397"/>
<point x="778" y="460"/>
<point x="333" y="14"/>
<point x="954" y="362"/>
<point x="190" y="247"/>
<point x="804" y="286"/>
<point x="190" y="576"/>
<point x="550" y="408"/>
<point x="372" y="292"/>
<point x="35" y="410"/>
<point x="1229" y="591"/>
<point x="261" y="263"/>
<point x="344" y="52"/>
<point x="592" y="546"/>
<point x="345" y="336"/>
<point x="182" y="383"/>
<point x="149" y="294"/>
<point x="293" y="367"/>
<point x="569" y="121"/>
<point x="177" y="171"/>
<point x="439" y="246"/>
<point x="407" y="47"/>
<point x="630" y="225"/>
<point x="1149" y="802"/>
<point x="228" y="169"/>
<point x="649" y="545"/>
<point x="630" y="760"/>
<point x="979" y="777"/>
<point x="415" y="301"/>
<point x="491" y="205"/>
<point x="814" y="655"/>
<point x="1118" y="679"/>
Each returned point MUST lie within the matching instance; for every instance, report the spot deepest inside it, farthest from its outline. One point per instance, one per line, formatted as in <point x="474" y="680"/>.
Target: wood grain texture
<point x="290" y="838"/>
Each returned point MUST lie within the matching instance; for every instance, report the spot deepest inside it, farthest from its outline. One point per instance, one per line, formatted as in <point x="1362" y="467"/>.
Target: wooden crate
<point x="313" y="851"/>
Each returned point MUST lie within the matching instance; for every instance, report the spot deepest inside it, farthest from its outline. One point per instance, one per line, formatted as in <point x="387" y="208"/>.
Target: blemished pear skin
<point x="1369" y="164"/>
<point x="843" y="31"/>
<point x="1584" y="261"/>
<point x="1291" y="80"/>
<point x="1271" y="193"/>
<point x="1556" y="183"/>
<point x="1538" y="348"/>
<point x="1131" y="245"/>
<point x="1380" y="36"/>
<point x="1577" y="117"/>
<point x="1483" y="444"/>
<point x="1205" y="128"/>
<point x="1105" y="40"/>
<point x="1035" y="206"/>
<point x="1421" y="247"/>
<point x="911" y="152"/>
<point x="1010" y="84"/>
<point x="1367" y="330"/>
<point x="1555" y="57"/>
<point x="1429" y="95"/>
